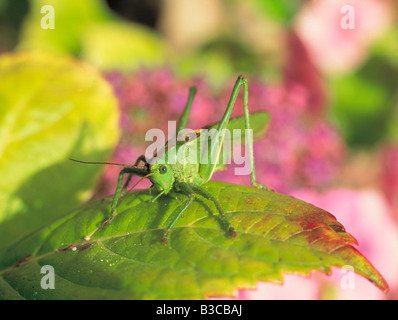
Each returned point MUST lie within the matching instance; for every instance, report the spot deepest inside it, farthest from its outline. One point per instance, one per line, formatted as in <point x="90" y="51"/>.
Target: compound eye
<point x="163" y="169"/>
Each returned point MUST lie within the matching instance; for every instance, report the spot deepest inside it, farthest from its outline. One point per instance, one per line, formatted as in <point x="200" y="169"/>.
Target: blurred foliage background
<point x="331" y="92"/>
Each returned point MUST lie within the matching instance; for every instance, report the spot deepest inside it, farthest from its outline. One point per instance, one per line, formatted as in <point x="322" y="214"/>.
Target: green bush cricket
<point x="187" y="178"/>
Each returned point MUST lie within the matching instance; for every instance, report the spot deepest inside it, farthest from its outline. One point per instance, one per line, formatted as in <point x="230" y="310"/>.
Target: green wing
<point x="259" y="122"/>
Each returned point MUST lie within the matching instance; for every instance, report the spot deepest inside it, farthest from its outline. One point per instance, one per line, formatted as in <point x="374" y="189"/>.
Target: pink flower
<point x="340" y="49"/>
<point x="389" y="176"/>
<point x="366" y="215"/>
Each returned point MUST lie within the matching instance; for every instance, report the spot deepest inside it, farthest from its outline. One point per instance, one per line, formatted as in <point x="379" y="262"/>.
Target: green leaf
<point x="52" y="108"/>
<point x="71" y="18"/>
<point x="89" y="30"/>
<point x="280" y="10"/>
<point x="277" y="234"/>
<point x="122" y="46"/>
<point x="364" y="102"/>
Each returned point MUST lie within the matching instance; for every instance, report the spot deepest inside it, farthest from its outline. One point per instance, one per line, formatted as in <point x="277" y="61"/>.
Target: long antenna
<point x="111" y="163"/>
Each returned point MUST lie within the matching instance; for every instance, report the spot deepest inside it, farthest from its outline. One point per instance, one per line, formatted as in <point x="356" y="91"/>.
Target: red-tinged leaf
<point x="277" y="234"/>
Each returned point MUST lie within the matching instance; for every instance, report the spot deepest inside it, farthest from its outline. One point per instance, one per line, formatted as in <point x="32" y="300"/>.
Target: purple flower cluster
<point x="301" y="148"/>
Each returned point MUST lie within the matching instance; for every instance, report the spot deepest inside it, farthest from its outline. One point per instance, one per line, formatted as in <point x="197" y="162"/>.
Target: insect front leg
<point x="119" y="190"/>
<point x="130" y="176"/>
<point x="178" y="212"/>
